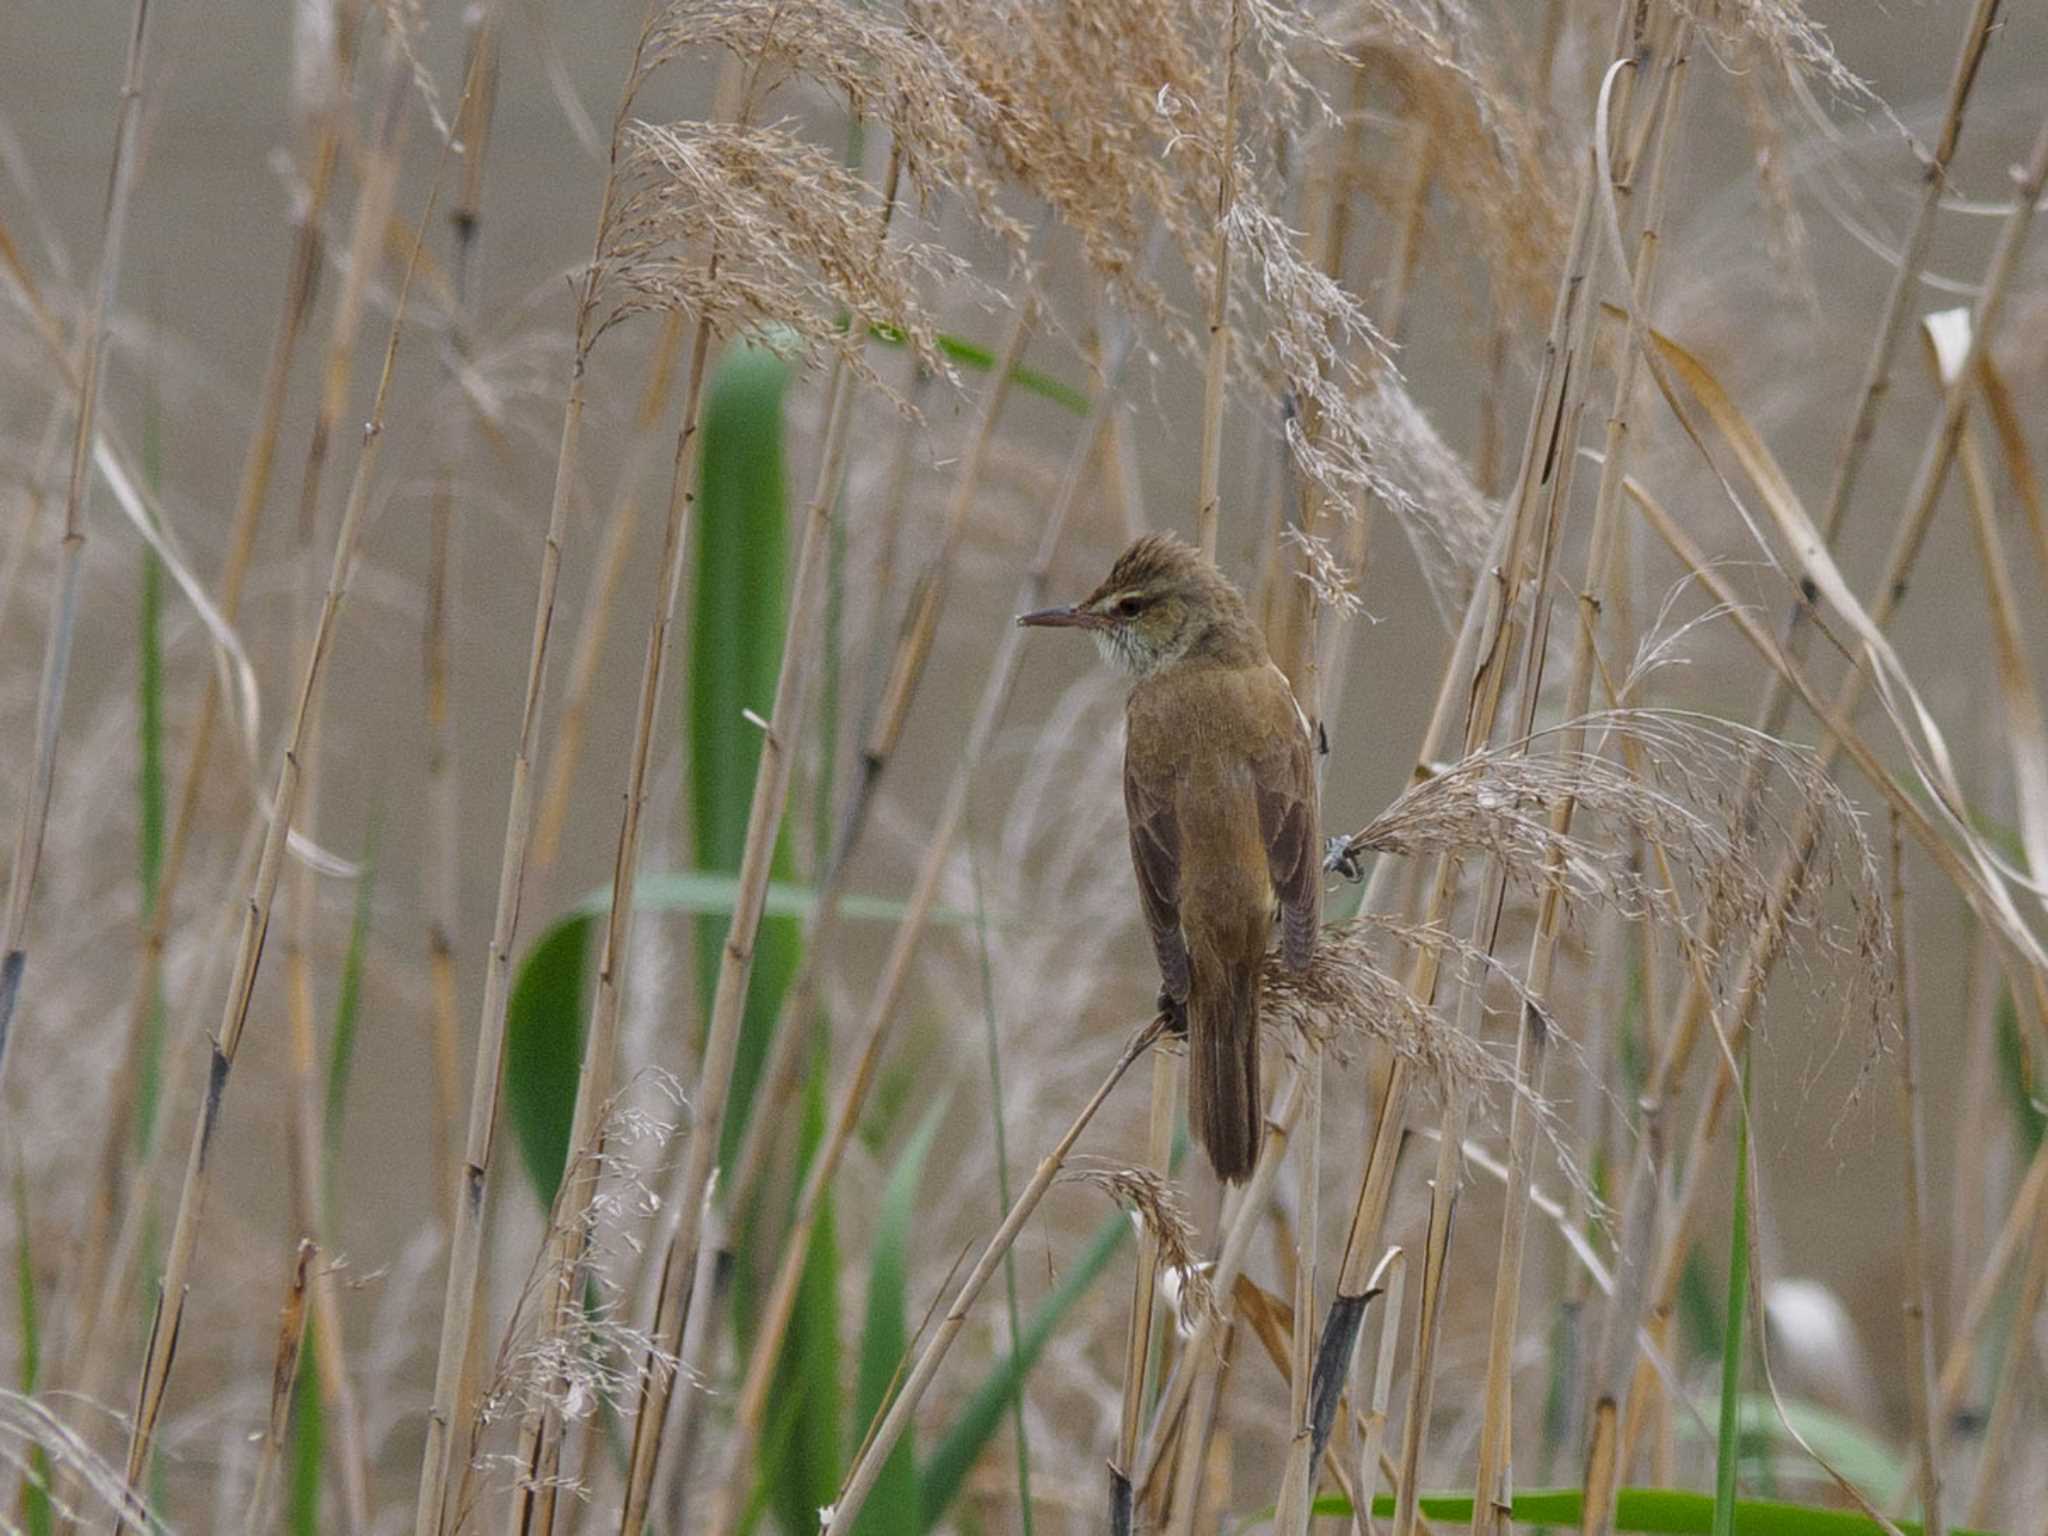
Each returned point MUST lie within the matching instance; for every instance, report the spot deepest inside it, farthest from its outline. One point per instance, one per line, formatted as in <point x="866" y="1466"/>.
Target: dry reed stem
<point x="378" y="169"/>
<point x="1491" y="1488"/>
<point x="465" y="1249"/>
<point x="903" y="947"/>
<point x="474" y="113"/>
<point x="1216" y="376"/>
<point x="1918" y="1317"/>
<point x="56" y="671"/>
<point x="606" y="572"/>
<point x="860" y="1478"/>
<point x="284" y="1376"/>
<point x="170" y="1307"/>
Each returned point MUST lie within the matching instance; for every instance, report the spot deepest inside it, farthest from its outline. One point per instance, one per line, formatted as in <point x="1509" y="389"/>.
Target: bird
<point x="1220" y="793"/>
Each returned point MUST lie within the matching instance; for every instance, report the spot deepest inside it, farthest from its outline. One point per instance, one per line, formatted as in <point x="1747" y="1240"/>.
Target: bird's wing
<point x="1284" y="782"/>
<point x="1155" y="856"/>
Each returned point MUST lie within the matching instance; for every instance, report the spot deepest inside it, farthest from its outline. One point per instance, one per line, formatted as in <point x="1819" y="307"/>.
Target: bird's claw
<point x="1339" y="858"/>
<point x="1176" y="1011"/>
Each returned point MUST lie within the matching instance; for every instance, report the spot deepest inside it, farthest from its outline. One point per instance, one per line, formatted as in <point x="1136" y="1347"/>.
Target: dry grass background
<point x="1322" y="285"/>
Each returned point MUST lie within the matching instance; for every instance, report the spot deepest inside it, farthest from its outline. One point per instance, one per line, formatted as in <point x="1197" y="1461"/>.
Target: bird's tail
<point x="1225" y="1109"/>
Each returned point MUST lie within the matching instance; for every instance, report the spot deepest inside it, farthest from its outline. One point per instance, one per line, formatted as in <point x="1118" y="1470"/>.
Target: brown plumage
<point x="1220" y="789"/>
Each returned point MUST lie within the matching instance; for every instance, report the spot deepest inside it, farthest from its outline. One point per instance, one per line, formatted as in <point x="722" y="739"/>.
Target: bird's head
<point x="1162" y="600"/>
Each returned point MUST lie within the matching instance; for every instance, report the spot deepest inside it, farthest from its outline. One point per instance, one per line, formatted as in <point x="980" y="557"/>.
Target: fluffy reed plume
<point x="1159" y="1209"/>
<point x="794" y="233"/>
<point x="878" y="68"/>
<point x="1490" y="149"/>
<point x="1684" y="791"/>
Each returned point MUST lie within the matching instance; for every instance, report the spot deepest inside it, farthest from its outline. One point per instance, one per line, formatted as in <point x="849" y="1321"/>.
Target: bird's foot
<point x="1339" y="858"/>
<point x="1176" y="1011"/>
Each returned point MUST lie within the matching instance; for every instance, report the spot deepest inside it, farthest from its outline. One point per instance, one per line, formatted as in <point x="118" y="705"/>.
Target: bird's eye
<point x="1128" y="608"/>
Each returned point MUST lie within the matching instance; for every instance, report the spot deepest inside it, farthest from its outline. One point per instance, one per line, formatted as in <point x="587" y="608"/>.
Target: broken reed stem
<point x="1898" y="308"/>
<point x="839" y="1519"/>
<point x="1391" y="1278"/>
<point x="170" y="1306"/>
<point x="1216" y="377"/>
<point x="606" y="572"/>
<point x="1491" y="1496"/>
<point x="472" y="1178"/>
<point x="896" y="967"/>
<point x="56" y="672"/>
<point x="1918" y="1318"/>
<point x="284" y="1377"/>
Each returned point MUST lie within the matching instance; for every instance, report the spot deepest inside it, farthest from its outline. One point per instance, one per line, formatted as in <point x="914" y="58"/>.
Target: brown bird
<point x="1220" y="789"/>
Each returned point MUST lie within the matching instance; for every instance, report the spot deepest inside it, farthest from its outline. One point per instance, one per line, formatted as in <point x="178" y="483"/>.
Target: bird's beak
<point x="1062" y="618"/>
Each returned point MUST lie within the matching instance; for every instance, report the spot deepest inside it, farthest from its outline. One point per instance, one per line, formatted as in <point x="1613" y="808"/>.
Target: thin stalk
<point x="56" y="673"/>
<point x="465" y="1252"/>
<point x="1216" y="376"/>
<point x="606" y="573"/>
<point x="1919" y="1320"/>
<point x="170" y="1308"/>
<point x="993" y="1040"/>
<point x="375" y="196"/>
<point x="860" y="1479"/>
<point x="1728" y="1442"/>
<point x="443" y="803"/>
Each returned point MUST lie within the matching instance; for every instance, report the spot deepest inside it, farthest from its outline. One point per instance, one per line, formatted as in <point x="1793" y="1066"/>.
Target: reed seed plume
<point x="889" y="72"/>
<point x="1161" y="1211"/>
<point x="794" y="235"/>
